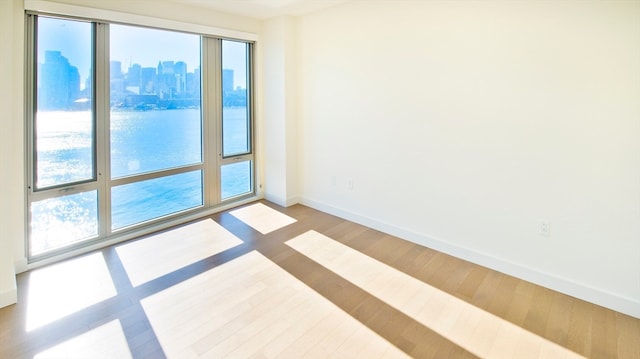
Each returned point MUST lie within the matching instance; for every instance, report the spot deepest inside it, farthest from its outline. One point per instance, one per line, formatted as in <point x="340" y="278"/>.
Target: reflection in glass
<point x="235" y="112"/>
<point x="63" y="123"/>
<point x="61" y="221"/>
<point x="145" y="200"/>
<point x="235" y="179"/>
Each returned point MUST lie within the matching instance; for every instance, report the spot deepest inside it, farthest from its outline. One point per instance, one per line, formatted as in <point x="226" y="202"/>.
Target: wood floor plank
<point x="273" y="347"/>
<point x="557" y="325"/>
<point x="521" y="303"/>
<point x="538" y="313"/>
<point x="441" y="312"/>
<point x="497" y="299"/>
<point x="217" y="287"/>
<point x="472" y="280"/>
<point x="628" y="334"/>
<point x="580" y="328"/>
<point x="604" y="343"/>
<point x="173" y="249"/>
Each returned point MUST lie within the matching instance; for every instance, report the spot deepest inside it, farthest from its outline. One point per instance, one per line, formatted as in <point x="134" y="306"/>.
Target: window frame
<point x="211" y="113"/>
<point x="32" y="55"/>
<point x="250" y="154"/>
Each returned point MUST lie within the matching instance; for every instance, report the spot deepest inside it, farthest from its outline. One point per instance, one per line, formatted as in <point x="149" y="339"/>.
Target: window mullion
<point x="101" y="96"/>
<point x="212" y="113"/>
<point x="30" y="105"/>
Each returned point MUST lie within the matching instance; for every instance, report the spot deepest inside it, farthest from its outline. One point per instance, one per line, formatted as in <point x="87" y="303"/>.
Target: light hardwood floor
<point x="263" y="281"/>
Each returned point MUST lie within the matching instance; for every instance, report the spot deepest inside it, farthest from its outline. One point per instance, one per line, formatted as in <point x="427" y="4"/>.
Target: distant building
<point x="169" y="85"/>
<point x="115" y="68"/>
<point x="134" y="76"/>
<point x="227" y="81"/>
<point x="59" y="82"/>
<point x="166" y="86"/>
<point x="180" y="73"/>
<point x="148" y="80"/>
<point x="194" y="85"/>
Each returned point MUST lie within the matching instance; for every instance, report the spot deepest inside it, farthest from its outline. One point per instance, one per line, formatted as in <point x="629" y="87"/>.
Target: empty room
<point x="319" y="179"/>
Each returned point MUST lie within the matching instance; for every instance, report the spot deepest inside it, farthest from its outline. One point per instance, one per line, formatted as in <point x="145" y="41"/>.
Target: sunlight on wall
<point x="472" y="328"/>
<point x="66" y="288"/>
<point x="262" y="218"/>
<point x="250" y="307"/>
<point x="174" y="249"/>
<point x="105" y="341"/>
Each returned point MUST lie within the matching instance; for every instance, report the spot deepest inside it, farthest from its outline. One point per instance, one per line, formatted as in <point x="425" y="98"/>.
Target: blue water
<point x="147" y="141"/>
<point x="140" y="142"/>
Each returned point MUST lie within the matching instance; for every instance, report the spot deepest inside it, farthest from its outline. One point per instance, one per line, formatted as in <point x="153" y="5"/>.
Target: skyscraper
<point x="227" y="81"/>
<point x="59" y="82"/>
<point x="180" y="73"/>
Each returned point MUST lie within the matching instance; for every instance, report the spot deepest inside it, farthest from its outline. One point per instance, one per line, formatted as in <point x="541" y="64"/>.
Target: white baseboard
<point x="629" y="306"/>
<point x="279" y="200"/>
<point x="8" y="297"/>
<point x="282" y="201"/>
<point x="292" y="200"/>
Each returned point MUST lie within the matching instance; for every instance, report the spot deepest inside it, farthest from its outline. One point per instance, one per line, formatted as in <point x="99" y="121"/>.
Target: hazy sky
<point x="132" y="45"/>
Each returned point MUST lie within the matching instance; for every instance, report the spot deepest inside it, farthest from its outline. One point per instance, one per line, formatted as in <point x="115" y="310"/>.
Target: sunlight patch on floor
<point x="250" y="307"/>
<point x="163" y="253"/>
<point x="105" y="341"/>
<point x="262" y="218"/>
<point x="472" y="328"/>
<point x="62" y="289"/>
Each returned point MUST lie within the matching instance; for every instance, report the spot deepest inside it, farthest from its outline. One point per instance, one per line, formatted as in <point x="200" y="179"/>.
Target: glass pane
<point x="235" y="109"/>
<point x="64" y="130"/>
<point x="145" y="200"/>
<point x="61" y="221"/>
<point x="155" y="100"/>
<point x="235" y="179"/>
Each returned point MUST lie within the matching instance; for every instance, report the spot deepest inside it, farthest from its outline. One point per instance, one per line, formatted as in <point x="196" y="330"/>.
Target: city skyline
<point x="132" y="45"/>
<point x="121" y="67"/>
<point x="168" y="85"/>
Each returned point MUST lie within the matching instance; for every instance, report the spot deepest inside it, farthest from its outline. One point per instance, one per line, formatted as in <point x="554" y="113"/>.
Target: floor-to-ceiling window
<point x="129" y="126"/>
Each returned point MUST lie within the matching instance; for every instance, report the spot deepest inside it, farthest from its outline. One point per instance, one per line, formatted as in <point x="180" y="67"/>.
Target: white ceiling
<point x="263" y="9"/>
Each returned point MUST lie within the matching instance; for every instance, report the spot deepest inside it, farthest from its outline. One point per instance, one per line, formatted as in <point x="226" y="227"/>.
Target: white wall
<point x="279" y="110"/>
<point x="463" y="124"/>
<point x="172" y="10"/>
<point x="11" y="167"/>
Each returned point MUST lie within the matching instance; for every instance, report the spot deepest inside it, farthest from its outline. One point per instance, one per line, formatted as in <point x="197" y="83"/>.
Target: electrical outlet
<point x="545" y="228"/>
<point x="350" y="183"/>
